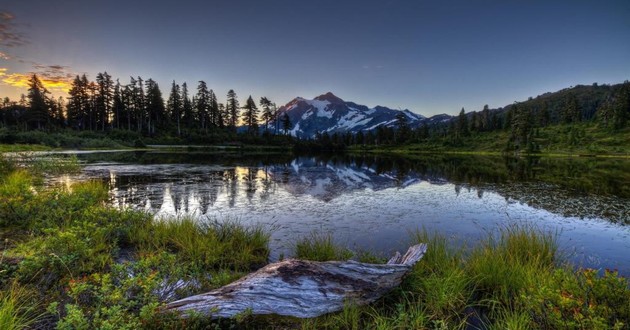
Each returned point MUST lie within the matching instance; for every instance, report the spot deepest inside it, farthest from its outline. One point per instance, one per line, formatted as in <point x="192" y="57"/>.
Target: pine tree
<point x="38" y="112"/>
<point x="117" y="105"/>
<point x="250" y="116"/>
<point x="77" y="107"/>
<point x="187" y="108"/>
<point x="267" y="112"/>
<point x="403" y="131"/>
<point x="461" y="128"/>
<point x="104" y="99"/>
<point x="286" y="123"/>
<point x="232" y="109"/>
<point x="156" y="112"/>
<point x="202" y="104"/>
<point x="174" y="106"/>
<point x="213" y="109"/>
<point x="621" y="107"/>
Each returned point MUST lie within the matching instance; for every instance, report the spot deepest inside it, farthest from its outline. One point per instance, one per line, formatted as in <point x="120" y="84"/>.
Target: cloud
<point x="9" y="37"/>
<point x="4" y="56"/>
<point x="56" y="78"/>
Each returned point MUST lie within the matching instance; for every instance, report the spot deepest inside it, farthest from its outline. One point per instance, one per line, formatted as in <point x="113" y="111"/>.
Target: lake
<point x="374" y="203"/>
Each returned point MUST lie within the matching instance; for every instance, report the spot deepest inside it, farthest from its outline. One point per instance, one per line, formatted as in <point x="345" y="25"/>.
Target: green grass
<point x="583" y="139"/>
<point x="218" y="245"/>
<point x="513" y="279"/>
<point x="17" y="311"/>
<point x="320" y="247"/>
<point x="22" y="147"/>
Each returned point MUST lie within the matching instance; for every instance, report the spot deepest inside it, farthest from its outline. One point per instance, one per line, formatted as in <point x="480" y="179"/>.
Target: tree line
<point x="105" y="104"/>
<point x="606" y="105"/>
<point x="139" y="106"/>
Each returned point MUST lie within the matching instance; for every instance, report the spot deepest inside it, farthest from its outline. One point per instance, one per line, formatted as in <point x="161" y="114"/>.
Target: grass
<point x="219" y="245"/>
<point x="513" y="279"/>
<point x="17" y="311"/>
<point x="583" y="139"/>
<point x="320" y="247"/>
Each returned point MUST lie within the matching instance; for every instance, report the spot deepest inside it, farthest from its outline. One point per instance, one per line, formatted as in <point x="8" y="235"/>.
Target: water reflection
<point x="372" y="202"/>
<point x="588" y="188"/>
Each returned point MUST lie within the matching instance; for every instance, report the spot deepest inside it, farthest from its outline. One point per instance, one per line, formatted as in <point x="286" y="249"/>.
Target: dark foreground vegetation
<point x="71" y="261"/>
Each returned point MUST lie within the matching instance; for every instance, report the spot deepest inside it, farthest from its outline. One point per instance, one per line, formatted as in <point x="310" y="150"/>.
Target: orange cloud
<point x="55" y="79"/>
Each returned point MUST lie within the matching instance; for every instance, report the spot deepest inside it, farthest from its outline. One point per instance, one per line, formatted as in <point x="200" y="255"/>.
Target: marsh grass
<point x="214" y="244"/>
<point x="515" y="278"/>
<point x="320" y="247"/>
<point x="17" y="309"/>
<point x="515" y="259"/>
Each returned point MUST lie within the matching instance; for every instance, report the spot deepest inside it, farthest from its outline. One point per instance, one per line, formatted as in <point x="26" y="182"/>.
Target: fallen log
<point x="302" y="288"/>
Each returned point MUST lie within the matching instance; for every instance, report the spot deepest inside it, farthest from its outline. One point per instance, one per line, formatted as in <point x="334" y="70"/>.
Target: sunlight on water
<point x="365" y="205"/>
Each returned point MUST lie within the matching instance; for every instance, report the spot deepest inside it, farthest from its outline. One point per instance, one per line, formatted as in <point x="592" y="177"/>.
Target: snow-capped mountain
<point x="328" y="113"/>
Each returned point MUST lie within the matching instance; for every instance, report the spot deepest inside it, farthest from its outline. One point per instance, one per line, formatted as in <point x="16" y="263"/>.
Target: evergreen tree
<point x="78" y="100"/>
<point x="175" y="106"/>
<point x="222" y="115"/>
<point x="461" y="128"/>
<point x="38" y="112"/>
<point x="156" y="112"/>
<point x="267" y="112"/>
<point x="403" y="131"/>
<point x="213" y="109"/>
<point x="286" y="123"/>
<point x="232" y="109"/>
<point x="138" y="103"/>
<point x="187" y="108"/>
<point x="543" y="115"/>
<point x="521" y="136"/>
<point x="250" y="116"/>
<point x="621" y="107"/>
<point x="485" y="119"/>
<point x="104" y="99"/>
<point x="570" y="111"/>
<point x="117" y="105"/>
<point x="202" y="104"/>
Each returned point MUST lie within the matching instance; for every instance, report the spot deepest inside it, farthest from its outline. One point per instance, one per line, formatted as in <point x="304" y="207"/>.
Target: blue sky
<point x="427" y="56"/>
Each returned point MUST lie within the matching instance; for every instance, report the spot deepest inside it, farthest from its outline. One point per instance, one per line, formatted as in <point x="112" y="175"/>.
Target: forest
<point x="138" y="111"/>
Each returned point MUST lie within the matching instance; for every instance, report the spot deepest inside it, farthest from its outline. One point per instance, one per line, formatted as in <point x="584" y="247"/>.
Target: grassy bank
<point x="71" y="261"/>
<point x="585" y="139"/>
<point x="514" y="279"/>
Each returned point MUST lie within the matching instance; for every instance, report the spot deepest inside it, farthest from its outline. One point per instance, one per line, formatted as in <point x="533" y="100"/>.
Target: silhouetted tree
<point x="250" y="116"/>
<point x="39" y="108"/>
<point x="286" y="123"/>
<point x="231" y="108"/>
<point x="174" y="106"/>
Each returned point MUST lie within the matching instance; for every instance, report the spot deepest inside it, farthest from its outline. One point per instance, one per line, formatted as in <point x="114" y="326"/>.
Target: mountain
<point x="329" y="113"/>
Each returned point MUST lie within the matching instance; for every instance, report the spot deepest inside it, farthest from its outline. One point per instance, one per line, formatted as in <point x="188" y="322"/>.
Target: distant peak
<point x="330" y="97"/>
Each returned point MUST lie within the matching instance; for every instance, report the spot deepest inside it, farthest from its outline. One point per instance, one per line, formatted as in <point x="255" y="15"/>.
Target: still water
<point x="374" y="203"/>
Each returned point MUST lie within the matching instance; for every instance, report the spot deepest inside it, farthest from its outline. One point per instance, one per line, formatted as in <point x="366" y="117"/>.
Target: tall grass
<point x="17" y="312"/>
<point x="505" y="265"/>
<point x="215" y="244"/>
<point x="320" y="247"/>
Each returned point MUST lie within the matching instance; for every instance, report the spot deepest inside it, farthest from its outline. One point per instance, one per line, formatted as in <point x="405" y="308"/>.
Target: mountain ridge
<point x="328" y="113"/>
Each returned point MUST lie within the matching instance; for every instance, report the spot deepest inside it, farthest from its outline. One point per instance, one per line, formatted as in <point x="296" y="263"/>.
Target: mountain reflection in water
<point x="373" y="202"/>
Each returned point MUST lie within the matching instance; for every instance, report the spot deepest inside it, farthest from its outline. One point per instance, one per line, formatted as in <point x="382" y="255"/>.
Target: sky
<point x="429" y="57"/>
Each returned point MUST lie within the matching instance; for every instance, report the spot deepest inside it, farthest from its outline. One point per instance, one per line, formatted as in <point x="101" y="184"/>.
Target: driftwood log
<point x="302" y="288"/>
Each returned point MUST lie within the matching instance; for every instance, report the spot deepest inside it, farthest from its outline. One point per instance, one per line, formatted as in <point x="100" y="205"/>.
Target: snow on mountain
<point x="329" y="113"/>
